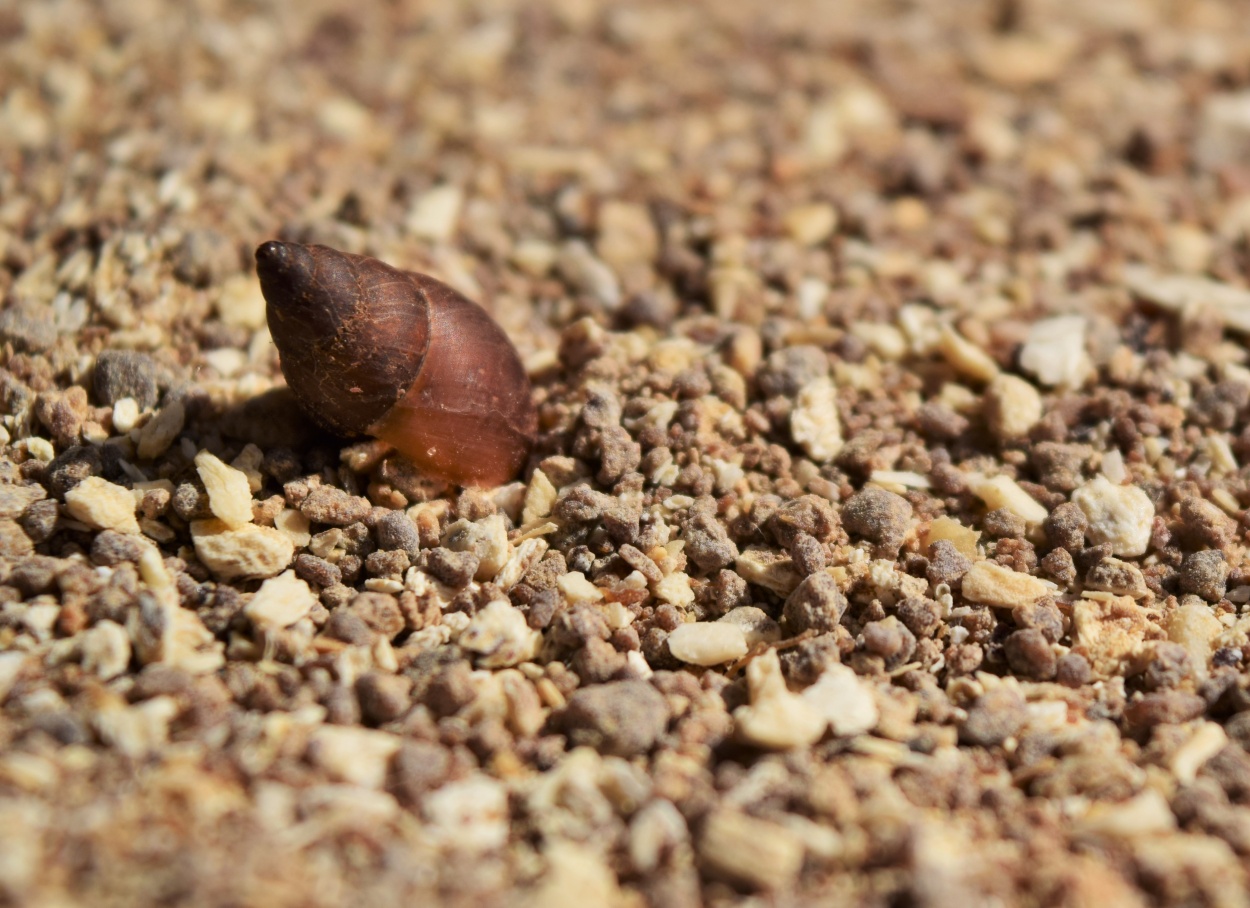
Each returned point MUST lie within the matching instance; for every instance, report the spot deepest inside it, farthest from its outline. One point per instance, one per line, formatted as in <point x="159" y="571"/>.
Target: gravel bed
<point x="884" y="542"/>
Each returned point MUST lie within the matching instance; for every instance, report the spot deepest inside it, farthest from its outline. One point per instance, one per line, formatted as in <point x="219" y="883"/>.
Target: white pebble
<point x="814" y="422"/>
<point x="1121" y="516"/>
<point x="1054" y="352"/>
<point x="471" y="814"/>
<point x="708" y="643"/>
<point x="125" y="415"/>
<point x="105" y="650"/>
<point x="844" y="700"/>
<point x="435" y="213"/>
<point x="280" y="601"/>
<point x="500" y="636"/>
<point x="357" y="756"/>
<point x="775" y="719"/>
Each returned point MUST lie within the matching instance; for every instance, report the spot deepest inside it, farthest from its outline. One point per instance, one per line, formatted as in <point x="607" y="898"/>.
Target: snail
<point x="370" y="349"/>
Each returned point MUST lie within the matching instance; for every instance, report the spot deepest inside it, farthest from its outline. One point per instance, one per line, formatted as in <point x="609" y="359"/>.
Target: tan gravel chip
<point x="963" y="538"/>
<point x="358" y="756"/>
<point x="1004" y="492"/>
<point x="576" y="588"/>
<point x="229" y="495"/>
<point x="1208" y="740"/>
<point x="748" y="850"/>
<point x="965" y="357"/>
<point x="812" y="223"/>
<point x="102" y="505"/>
<point x="1113" y="633"/>
<point x="814" y="421"/>
<point x="280" y="602"/>
<point x="105" y="650"/>
<point x="707" y="643"/>
<point x="249" y="552"/>
<point x="294" y="525"/>
<point x="776" y="719"/>
<point x="500" y="636"/>
<point x="1194" y="627"/>
<point x="769" y="569"/>
<point x="994" y="585"/>
<point x="846" y="702"/>
<point x="1012" y="407"/>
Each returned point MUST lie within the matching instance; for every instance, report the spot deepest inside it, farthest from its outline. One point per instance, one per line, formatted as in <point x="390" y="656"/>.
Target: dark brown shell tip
<point x="274" y="256"/>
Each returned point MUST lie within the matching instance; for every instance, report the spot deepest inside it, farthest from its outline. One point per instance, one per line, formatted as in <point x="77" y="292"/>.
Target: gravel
<point x="883" y="541"/>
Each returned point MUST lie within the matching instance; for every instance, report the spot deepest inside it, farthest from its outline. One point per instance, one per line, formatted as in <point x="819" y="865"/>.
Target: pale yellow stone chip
<point x="229" y="494"/>
<point x="1000" y="587"/>
<point x="707" y="643"/>
<point x="249" y="552"/>
<point x="102" y="505"/>
<point x="280" y="602"/>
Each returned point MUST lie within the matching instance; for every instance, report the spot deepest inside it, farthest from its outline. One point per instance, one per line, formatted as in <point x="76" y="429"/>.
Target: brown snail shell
<point x="369" y="349"/>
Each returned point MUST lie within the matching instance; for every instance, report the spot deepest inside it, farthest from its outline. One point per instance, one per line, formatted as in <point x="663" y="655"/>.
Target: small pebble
<point x="998" y="586"/>
<point x="619" y="718"/>
<point x="750" y="851"/>
<point x="102" y="505"/>
<point x="248" y="552"/>
<point x="1120" y="516"/>
<point x="280" y="602"/>
<point x="122" y="374"/>
<point x="229" y="494"/>
<point x="499" y="636"/>
<point x="1012" y="407"/>
<point x="845" y="702"/>
<point x="815" y="424"/>
<point x="1054" y="352"/>
<point x="707" y="643"/>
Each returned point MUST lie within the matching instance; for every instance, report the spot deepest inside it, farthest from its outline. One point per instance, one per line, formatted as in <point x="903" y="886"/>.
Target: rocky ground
<point x="885" y="539"/>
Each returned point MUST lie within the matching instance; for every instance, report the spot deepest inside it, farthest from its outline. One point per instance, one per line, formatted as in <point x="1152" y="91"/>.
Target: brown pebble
<point x="946" y="563"/>
<point x="878" y="516"/>
<point x="317" y="570"/>
<point x="396" y="530"/>
<point x="1205" y="574"/>
<point x="620" y="718"/>
<point x="328" y="505"/>
<point x="815" y="605"/>
<point x="993" y="718"/>
<point x="921" y="616"/>
<point x="1030" y="655"/>
<point x="1065" y="526"/>
<point x="380" y="612"/>
<point x="1073" y="670"/>
<point x="383" y="697"/>
<point x="1164" y="708"/>
<point x="1205" y="526"/>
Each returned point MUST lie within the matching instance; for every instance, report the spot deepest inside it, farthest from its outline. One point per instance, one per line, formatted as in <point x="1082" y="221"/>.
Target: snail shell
<point x="367" y="348"/>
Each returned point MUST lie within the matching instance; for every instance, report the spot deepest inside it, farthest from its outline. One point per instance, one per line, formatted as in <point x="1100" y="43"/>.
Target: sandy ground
<point x="884" y="540"/>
